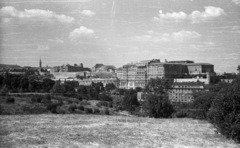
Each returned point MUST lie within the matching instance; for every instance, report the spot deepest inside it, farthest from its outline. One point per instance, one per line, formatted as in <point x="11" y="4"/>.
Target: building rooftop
<point x="193" y="64"/>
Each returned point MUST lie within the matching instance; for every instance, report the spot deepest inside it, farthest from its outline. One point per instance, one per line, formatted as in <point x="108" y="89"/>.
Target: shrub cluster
<point x="221" y="107"/>
<point x="81" y="108"/>
<point x="84" y="103"/>
<point x="72" y="108"/>
<point x="10" y="100"/>
<point x="102" y="103"/>
<point x="88" y="110"/>
<point x="96" y="111"/>
<point x="33" y="109"/>
<point x="225" y="111"/>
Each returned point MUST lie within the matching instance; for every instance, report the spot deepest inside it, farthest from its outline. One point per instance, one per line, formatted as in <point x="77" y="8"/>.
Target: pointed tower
<point x="40" y="63"/>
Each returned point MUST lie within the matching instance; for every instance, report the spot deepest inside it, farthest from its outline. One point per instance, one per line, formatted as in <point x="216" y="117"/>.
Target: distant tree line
<point x="24" y="83"/>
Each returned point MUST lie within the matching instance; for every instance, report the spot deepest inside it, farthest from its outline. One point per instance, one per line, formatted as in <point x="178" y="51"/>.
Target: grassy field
<point x="24" y="131"/>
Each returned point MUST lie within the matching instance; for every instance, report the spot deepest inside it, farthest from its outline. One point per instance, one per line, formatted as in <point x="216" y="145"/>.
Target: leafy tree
<point x="157" y="106"/>
<point x="82" y="90"/>
<point x="104" y="97"/>
<point x="58" y="88"/>
<point x="24" y="83"/>
<point x="1" y="80"/>
<point x="92" y="93"/>
<point x="238" y="69"/>
<point x="15" y="82"/>
<point x="138" y="89"/>
<point x="129" y="101"/>
<point x="47" y="84"/>
<point x="158" y="85"/>
<point x="4" y="90"/>
<point x="7" y="80"/>
<point x="225" y="110"/>
<point x="202" y="102"/>
<point x="110" y="86"/>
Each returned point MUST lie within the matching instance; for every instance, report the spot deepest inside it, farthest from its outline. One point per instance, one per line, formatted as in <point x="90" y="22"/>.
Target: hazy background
<point x="120" y="31"/>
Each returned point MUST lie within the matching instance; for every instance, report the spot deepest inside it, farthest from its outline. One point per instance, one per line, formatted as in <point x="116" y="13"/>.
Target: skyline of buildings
<point x="117" y="32"/>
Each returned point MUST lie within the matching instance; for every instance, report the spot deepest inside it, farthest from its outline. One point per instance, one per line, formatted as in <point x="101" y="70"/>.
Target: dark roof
<point x="193" y="64"/>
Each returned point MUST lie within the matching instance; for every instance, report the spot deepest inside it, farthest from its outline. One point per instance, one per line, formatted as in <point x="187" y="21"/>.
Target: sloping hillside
<point x="107" y="131"/>
<point x="8" y="66"/>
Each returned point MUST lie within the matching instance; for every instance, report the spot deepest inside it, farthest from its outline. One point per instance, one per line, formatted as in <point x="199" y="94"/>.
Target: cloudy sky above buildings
<point x="118" y="32"/>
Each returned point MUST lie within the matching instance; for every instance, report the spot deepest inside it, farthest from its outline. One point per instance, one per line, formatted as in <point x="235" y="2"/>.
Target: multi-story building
<point x="129" y="76"/>
<point x="119" y="73"/>
<point x="205" y="80"/>
<point x="138" y="75"/>
<point x="183" y="92"/>
<point x="104" y="68"/>
<point x="166" y="70"/>
<point x="105" y="78"/>
<point x="200" y="68"/>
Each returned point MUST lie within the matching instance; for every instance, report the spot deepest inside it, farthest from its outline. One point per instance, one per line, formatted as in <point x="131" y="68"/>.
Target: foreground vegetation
<point x="220" y="105"/>
<point x="25" y="131"/>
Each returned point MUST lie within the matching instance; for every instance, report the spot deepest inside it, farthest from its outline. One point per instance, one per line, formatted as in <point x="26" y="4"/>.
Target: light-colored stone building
<point x="183" y="92"/>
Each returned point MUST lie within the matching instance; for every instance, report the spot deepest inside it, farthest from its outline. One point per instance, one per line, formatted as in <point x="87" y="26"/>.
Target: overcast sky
<point x="118" y="32"/>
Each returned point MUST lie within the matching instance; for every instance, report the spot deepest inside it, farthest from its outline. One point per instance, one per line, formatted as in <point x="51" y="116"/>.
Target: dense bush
<point x="69" y="101"/>
<point x="36" y="99"/>
<point x="157" y="106"/>
<point x="225" y="111"/>
<point x="84" y="103"/>
<point x="88" y="110"/>
<point x="64" y="109"/>
<point x="96" y="111"/>
<point x="102" y="103"/>
<point x="201" y="104"/>
<point x="181" y="114"/>
<point x="72" y="107"/>
<point x="81" y="108"/>
<point x="129" y="101"/>
<point x="53" y="107"/>
<point x="10" y="100"/>
<point x="46" y="98"/>
<point x="33" y="109"/>
<point x="104" y="97"/>
<point x="106" y="111"/>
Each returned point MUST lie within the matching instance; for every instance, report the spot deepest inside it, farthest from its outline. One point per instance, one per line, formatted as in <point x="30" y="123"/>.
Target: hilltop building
<point x="104" y="68"/>
<point x="182" y="92"/>
<point x="138" y="74"/>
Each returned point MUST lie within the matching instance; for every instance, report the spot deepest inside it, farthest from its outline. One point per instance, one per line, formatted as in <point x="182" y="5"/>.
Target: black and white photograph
<point x="119" y="73"/>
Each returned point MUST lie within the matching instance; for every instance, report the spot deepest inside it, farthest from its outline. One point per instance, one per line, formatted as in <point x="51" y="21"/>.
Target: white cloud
<point x="81" y="32"/>
<point x="237" y="2"/>
<point x="58" y="41"/>
<point x="181" y="35"/>
<point x="88" y="13"/>
<point x="209" y="13"/>
<point x="43" y="47"/>
<point x="175" y="16"/>
<point x="166" y="37"/>
<point x="43" y="15"/>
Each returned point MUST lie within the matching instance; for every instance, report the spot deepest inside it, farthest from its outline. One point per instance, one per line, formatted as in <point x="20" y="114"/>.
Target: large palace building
<point x="138" y="74"/>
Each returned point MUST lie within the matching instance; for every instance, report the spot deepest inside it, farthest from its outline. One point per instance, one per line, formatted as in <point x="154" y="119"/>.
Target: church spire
<point x="40" y="63"/>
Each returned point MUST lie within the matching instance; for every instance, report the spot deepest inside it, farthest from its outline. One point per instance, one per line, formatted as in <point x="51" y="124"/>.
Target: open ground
<point x="74" y="130"/>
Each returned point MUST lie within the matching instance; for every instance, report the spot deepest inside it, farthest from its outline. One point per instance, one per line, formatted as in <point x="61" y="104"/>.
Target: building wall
<point x="88" y="82"/>
<point x="207" y="68"/>
<point x="194" y="69"/>
<point x="197" y="79"/>
<point x="200" y="68"/>
<point x="183" y="92"/>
